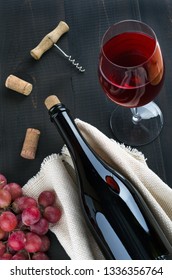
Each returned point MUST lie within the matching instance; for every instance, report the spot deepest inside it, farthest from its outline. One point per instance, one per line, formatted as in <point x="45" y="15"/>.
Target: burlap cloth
<point x="57" y="173"/>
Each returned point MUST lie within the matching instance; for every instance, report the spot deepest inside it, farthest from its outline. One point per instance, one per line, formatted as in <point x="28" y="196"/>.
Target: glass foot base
<point x="134" y="131"/>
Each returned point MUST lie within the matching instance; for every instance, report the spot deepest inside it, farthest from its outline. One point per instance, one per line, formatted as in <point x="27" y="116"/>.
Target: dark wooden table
<point x="22" y="25"/>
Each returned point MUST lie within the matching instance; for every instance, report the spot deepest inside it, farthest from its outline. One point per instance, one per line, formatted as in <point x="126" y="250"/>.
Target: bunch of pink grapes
<point x="24" y="222"/>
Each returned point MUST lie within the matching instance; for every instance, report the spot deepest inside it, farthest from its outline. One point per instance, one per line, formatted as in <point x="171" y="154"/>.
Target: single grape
<point x="19" y="256"/>
<point x="3" y="181"/>
<point x="2" y="234"/>
<point x="45" y="243"/>
<point x="40" y="256"/>
<point x="31" y="215"/>
<point x="8" y="221"/>
<point x="5" y="238"/>
<point x="17" y="240"/>
<point x="52" y="214"/>
<point x="46" y="198"/>
<point x="14" y="189"/>
<point x="5" y="198"/>
<point x="2" y="248"/>
<point x="6" y="256"/>
<point x="22" y="203"/>
<point x="33" y="242"/>
<point x="41" y="227"/>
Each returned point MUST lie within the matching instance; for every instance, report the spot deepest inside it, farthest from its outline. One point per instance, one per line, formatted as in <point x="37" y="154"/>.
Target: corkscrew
<point x="50" y="40"/>
<point x="76" y="64"/>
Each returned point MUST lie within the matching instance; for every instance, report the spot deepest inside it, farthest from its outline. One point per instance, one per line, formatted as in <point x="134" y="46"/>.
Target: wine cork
<point x="18" y="85"/>
<point x="51" y="100"/>
<point x="30" y="143"/>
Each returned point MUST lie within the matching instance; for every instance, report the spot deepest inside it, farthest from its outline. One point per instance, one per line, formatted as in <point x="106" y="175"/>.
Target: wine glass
<point x="131" y="72"/>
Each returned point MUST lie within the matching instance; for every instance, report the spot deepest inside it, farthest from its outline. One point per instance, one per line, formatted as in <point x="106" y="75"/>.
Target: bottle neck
<point x="67" y="128"/>
<point x="78" y="147"/>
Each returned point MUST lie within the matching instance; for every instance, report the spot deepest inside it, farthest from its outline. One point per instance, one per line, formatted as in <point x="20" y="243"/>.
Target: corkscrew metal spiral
<point x="73" y="61"/>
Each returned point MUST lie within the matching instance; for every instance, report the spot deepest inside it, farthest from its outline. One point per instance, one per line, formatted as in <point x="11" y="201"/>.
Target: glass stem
<point x="136" y="118"/>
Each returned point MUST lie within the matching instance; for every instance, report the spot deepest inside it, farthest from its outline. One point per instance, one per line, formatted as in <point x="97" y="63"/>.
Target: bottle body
<point x="116" y="213"/>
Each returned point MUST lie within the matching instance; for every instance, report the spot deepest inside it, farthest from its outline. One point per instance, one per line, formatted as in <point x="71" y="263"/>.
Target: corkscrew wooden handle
<point x="49" y="40"/>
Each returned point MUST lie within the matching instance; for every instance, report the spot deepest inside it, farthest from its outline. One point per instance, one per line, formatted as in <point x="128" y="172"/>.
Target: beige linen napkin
<point x="57" y="173"/>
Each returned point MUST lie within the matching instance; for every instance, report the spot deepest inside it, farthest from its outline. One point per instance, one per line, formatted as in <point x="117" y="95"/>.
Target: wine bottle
<point x="119" y="218"/>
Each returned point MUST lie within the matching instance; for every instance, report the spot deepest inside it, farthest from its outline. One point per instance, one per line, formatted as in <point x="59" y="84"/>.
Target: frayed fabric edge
<point x="45" y="161"/>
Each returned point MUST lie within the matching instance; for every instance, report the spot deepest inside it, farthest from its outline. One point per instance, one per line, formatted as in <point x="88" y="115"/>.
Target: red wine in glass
<point x="131" y="74"/>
